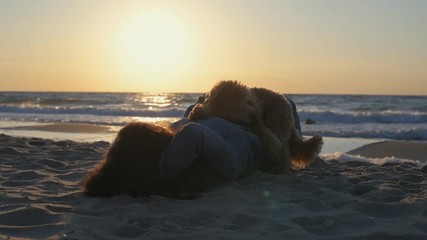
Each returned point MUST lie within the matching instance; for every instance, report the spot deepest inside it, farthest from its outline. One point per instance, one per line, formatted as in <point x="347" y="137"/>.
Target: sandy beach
<point x="40" y="198"/>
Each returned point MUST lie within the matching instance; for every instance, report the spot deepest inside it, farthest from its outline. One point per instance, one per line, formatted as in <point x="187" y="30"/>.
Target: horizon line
<point x="158" y="92"/>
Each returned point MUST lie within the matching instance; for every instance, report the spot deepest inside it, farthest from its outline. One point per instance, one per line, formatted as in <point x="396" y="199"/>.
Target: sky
<point x="301" y="46"/>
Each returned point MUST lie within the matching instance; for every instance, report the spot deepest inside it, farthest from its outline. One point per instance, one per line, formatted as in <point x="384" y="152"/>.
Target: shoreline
<point x="80" y="132"/>
<point x="83" y="132"/>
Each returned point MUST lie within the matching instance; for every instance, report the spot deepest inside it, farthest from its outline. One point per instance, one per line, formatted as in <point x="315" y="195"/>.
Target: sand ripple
<point x="40" y="198"/>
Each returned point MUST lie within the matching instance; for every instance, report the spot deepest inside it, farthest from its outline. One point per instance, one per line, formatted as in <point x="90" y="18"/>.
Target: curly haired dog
<point x="269" y="115"/>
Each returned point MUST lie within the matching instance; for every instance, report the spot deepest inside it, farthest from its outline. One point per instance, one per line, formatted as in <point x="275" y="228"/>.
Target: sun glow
<point x="154" y="41"/>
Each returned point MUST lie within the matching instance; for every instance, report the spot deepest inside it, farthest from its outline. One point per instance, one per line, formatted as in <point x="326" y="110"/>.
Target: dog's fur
<point x="229" y="100"/>
<point x="269" y="115"/>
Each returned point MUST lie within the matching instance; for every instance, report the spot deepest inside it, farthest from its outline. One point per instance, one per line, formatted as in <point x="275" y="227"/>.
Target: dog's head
<point x="230" y="100"/>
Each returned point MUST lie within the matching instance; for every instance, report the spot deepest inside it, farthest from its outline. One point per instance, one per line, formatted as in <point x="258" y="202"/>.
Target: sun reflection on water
<point x="160" y="100"/>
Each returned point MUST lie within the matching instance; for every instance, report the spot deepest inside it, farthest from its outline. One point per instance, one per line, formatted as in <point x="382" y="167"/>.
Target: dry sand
<point x="40" y="198"/>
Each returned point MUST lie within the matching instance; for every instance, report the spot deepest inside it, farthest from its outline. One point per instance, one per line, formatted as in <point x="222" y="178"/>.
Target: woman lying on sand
<point x="147" y="159"/>
<point x="178" y="161"/>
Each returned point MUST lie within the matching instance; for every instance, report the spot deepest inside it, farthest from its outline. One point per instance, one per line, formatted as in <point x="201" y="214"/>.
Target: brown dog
<point x="229" y="100"/>
<point x="266" y="113"/>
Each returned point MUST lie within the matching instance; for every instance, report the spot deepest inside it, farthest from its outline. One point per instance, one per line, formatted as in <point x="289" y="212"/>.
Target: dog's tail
<point x="304" y="151"/>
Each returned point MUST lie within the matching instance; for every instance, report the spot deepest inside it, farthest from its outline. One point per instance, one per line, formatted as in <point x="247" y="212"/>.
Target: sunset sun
<point x="154" y="41"/>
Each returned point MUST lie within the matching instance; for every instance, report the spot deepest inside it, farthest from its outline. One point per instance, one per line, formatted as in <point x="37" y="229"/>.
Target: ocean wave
<point x="344" y="157"/>
<point x="154" y="112"/>
<point x="382" y="117"/>
<point x="46" y="100"/>
<point x="414" y="134"/>
<point x="364" y="117"/>
<point x="150" y="110"/>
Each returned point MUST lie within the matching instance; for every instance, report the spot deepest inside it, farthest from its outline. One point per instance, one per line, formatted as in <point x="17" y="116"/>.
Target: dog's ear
<point x="197" y="113"/>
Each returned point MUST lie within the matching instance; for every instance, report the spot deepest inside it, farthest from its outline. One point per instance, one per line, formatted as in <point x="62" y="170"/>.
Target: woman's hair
<point x="130" y="165"/>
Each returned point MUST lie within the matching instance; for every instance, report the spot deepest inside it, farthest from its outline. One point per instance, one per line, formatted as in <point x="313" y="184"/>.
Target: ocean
<point x="342" y="116"/>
